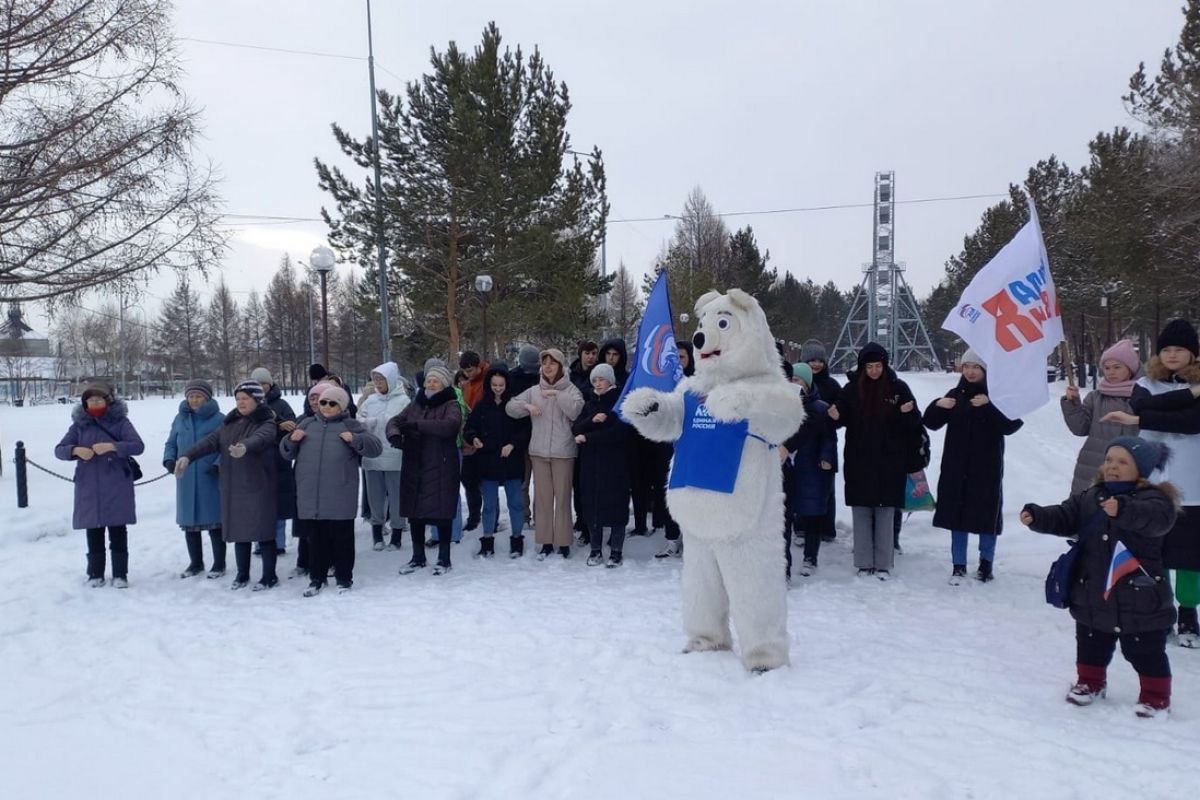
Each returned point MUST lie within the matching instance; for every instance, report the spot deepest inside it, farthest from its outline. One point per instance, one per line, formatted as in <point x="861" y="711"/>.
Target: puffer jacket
<point x="103" y="483"/>
<point x="375" y="413"/>
<point x="327" y="467"/>
<point x="1083" y="419"/>
<point x="550" y="435"/>
<point x="1141" y="601"/>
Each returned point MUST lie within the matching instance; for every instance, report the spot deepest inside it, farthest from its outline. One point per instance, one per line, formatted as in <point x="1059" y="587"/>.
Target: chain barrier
<point x="33" y="463"/>
<point x="22" y="461"/>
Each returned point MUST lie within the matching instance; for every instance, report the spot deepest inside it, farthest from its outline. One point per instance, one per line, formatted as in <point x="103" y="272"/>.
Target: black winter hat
<point x="316" y="372"/>
<point x="871" y="354"/>
<point x="1179" y="333"/>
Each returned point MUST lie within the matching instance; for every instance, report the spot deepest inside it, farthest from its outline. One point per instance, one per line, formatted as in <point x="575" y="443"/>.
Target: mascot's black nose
<point x="698" y="341"/>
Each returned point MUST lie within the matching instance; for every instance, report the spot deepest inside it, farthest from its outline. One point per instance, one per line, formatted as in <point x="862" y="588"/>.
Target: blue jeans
<point x="958" y="546"/>
<point x="491" y="505"/>
<point x="280" y="534"/>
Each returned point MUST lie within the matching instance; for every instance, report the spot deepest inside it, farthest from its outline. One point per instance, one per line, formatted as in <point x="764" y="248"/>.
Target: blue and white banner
<point x="656" y="360"/>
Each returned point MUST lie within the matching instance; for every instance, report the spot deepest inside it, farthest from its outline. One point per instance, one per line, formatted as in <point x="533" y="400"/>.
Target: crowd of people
<point x="548" y="429"/>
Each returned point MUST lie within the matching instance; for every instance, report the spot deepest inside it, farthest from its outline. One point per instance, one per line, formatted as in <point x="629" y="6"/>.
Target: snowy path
<point x="550" y="680"/>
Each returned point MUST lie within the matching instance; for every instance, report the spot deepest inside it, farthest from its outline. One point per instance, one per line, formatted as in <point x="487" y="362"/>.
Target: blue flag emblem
<point x="657" y="359"/>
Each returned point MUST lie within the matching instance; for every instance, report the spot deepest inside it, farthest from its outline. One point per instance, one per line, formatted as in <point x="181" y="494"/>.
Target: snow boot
<point x="95" y="565"/>
<point x="120" y="583"/>
<point x="614" y="559"/>
<point x="883" y="574"/>
<point x="672" y="549"/>
<point x="516" y="546"/>
<point x="546" y="550"/>
<point x="265" y="583"/>
<point x="984" y="573"/>
<point x="397" y="542"/>
<point x="595" y="558"/>
<point x="1189" y="630"/>
<point x="958" y="574"/>
<point x="314" y="589"/>
<point x="487" y="547"/>
<point x="807" y="567"/>
<point x="95" y="583"/>
<point x="344" y="587"/>
<point x="1091" y="683"/>
<point x="377" y="537"/>
<point x="565" y="552"/>
<point x="412" y="566"/>
<point x="217" y="540"/>
<point x="441" y="569"/>
<point x="195" y="550"/>
<point x="1155" y="697"/>
<point x="120" y="564"/>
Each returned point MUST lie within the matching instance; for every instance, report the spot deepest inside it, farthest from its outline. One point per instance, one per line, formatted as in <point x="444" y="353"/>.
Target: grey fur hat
<point x="813" y="350"/>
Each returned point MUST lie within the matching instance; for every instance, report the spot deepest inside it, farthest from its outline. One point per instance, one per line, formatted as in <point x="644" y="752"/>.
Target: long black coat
<point x="1141" y="601"/>
<point x="427" y="431"/>
<point x="285" y="479"/>
<point x="970" y="492"/>
<point x="492" y="425"/>
<point x="878" y="446"/>
<point x="248" y="483"/>
<point x="603" y="463"/>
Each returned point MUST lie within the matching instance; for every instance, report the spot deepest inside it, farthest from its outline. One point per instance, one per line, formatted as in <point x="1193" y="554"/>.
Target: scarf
<point x="1116" y="388"/>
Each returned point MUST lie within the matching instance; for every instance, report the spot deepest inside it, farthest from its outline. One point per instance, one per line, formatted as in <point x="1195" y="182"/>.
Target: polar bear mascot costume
<point x="725" y="491"/>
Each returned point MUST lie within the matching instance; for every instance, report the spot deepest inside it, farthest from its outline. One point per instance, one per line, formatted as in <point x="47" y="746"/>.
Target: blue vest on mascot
<point x="709" y="453"/>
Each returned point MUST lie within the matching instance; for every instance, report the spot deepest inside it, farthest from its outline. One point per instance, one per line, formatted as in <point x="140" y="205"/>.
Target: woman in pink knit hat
<point x="1121" y="367"/>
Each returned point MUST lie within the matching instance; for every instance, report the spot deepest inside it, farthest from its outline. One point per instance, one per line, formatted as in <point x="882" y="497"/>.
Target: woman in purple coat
<point x="100" y="441"/>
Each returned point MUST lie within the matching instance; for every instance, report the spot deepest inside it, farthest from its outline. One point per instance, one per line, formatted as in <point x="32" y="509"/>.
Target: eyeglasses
<point x="330" y="403"/>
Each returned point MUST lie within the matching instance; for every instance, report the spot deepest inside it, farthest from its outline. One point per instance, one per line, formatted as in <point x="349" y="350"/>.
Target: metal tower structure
<point x="884" y="309"/>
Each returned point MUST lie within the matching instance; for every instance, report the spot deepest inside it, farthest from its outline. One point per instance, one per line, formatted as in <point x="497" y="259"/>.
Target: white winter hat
<point x="971" y="357"/>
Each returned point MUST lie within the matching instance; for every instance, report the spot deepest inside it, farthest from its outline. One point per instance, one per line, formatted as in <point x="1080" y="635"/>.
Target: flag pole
<point x="1064" y="353"/>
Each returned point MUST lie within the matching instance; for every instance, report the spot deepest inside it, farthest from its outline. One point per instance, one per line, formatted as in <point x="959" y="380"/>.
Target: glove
<point x="237" y="450"/>
<point x="396" y="441"/>
<point x="213" y="470"/>
<point x="169" y="465"/>
<point x="181" y="466"/>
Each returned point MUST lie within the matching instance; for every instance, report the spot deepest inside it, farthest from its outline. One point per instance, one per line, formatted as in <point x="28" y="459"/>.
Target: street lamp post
<point x="483" y="285"/>
<point x="322" y="260"/>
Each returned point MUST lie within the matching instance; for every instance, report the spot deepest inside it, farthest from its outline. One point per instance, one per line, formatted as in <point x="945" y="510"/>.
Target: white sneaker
<point x="672" y="549"/>
<point x="1189" y="640"/>
<point x="379" y="547"/>
<point x="807" y="568"/>
<point x="120" y="583"/>
<point x="439" y="569"/>
<point x="1145" y="711"/>
<point x="883" y="575"/>
<point x="95" y="583"/>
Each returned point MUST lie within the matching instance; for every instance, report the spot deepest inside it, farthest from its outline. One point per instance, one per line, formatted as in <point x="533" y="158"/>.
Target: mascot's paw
<point x="641" y="403"/>
<point x="763" y="659"/>
<point x="702" y="644"/>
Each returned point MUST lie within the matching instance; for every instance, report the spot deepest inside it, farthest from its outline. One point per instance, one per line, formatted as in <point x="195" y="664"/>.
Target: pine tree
<point x="625" y="306"/>
<point x="222" y="323"/>
<point x="472" y="158"/>
<point x="182" y="327"/>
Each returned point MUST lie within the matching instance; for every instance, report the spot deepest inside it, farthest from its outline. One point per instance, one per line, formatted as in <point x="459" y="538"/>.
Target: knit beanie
<point x="873" y="353"/>
<point x="441" y="373"/>
<point x="262" y="375"/>
<point x="603" y="371"/>
<point x="527" y="358"/>
<point x="203" y="387"/>
<point x="803" y="371"/>
<point x="1179" y="333"/>
<point x="317" y="388"/>
<point x="813" y="350"/>
<point x="1148" y="455"/>
<point x="98" y="389"/>
<point x="316" y="372"/>
<point x="1124" y="352"/>
<point x="252" y="388"/>
<point x="336" y="393"/>
<point x="971" y="357"/>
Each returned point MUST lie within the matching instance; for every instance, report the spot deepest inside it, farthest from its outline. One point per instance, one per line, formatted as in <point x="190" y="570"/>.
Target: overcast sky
<point x="764" y="105"/>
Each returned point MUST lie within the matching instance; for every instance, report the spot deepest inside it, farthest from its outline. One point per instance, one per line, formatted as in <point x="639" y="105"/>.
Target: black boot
<point x="516" y="546"/>
<point x="120" y="564"/>
<point x="377" y="536"/>
<point x="487" y="547"/>
<point x="397" y="542"/>
<point x="218" y="553"/>
<point x="1187" y="618"/>
<point x="269" y="555"/>
<point x="95" y="565"/>
<point x="195" y="548"/>
<point x="984" y="574"/>
<point x="565" y="552"/>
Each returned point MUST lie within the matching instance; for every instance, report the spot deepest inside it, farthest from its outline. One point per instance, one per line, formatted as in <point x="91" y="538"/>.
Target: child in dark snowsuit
<point x="812" y="454"/>
<point x="1119" y="590"/>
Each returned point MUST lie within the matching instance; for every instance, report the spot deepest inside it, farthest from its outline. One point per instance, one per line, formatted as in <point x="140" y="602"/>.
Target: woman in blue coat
<point x="197" y="493"/>
<point x="100" y="441"/>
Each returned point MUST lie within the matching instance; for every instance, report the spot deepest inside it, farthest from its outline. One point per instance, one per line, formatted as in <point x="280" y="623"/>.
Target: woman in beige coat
<point x="552" y="405"/>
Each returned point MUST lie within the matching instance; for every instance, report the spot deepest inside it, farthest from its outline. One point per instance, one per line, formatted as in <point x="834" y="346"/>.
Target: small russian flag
<point x="1123" y="563"/>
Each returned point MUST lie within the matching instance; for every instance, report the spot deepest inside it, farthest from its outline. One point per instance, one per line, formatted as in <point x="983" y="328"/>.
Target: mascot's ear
<point x="705" y="299"/>
<point x="741" y="300"/>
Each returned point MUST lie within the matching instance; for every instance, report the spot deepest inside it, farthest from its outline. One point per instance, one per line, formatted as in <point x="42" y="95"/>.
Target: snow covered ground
<point x="551" y="680"/>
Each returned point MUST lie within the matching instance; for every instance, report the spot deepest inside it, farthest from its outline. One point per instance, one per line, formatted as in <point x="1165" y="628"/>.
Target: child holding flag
<point x="1119" y="590"/>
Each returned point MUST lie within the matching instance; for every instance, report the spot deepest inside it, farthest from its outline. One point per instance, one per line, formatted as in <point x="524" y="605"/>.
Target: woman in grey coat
<point x="328" y="450"/>
<point x="246" y="443"/>
<point x="1122" y="368"/>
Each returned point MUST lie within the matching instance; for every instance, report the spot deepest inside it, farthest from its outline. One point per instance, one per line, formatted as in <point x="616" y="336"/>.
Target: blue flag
<point x="656" y="362"/>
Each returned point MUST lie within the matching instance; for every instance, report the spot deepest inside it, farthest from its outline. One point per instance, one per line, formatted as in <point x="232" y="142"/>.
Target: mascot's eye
<point x="722" y="324"/>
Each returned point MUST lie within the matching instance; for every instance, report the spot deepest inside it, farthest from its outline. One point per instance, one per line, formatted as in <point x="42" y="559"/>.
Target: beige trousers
<point x="552" y="500"/>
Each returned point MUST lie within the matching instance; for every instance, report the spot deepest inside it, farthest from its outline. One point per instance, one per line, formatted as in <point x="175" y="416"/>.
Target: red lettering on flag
<point x="1008" y="316"/>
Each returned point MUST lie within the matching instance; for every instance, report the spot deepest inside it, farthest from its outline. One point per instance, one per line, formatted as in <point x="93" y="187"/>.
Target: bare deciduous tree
<point x="96" y="173"/>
